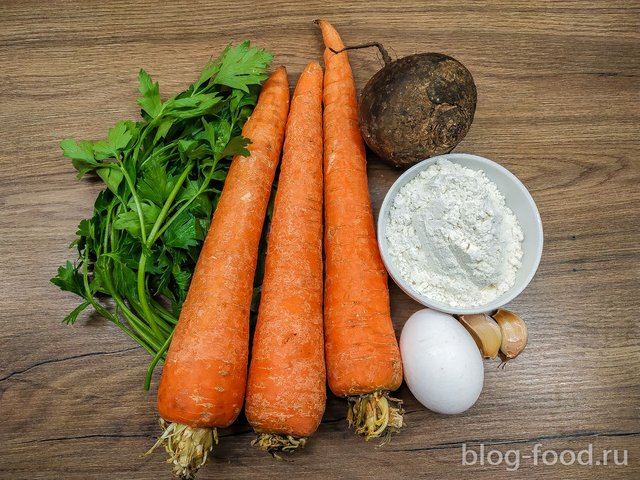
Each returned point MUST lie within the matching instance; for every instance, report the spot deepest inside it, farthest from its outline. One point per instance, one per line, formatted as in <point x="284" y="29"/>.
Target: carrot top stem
<point x="187" y="447"/>
<point x="383" y="51"/>
<point x="375" y="415"/>
<point x="275" y="443"/>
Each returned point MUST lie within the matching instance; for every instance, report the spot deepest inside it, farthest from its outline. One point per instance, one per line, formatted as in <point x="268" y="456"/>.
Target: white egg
<point x="442" y="364"/>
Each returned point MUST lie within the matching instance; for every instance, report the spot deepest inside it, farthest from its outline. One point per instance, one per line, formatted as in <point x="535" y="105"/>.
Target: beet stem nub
<point x="383" y="51"/>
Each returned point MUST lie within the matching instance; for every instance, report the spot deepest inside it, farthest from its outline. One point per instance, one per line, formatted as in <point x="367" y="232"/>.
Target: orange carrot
<point x="204" y="376"/>
<point x="286" y="390"/>
<point x="363" y="358"/>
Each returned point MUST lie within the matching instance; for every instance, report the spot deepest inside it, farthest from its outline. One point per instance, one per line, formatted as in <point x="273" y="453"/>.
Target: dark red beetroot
<point x="416" y="107"/>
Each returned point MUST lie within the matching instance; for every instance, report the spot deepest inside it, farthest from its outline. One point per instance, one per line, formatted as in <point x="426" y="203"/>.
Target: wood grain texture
<point x="558" y="105"/>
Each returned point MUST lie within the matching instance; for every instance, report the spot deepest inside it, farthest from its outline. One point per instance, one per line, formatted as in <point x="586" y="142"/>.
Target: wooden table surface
<point x="558" y="105"/>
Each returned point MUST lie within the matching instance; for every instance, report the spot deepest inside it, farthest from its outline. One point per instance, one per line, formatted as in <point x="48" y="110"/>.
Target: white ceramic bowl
<point x="518" y="200"/>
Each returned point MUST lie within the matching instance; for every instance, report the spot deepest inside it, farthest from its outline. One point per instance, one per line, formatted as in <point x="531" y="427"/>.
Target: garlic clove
<point x="514" y="333"/>
<point x="485" y="332"/>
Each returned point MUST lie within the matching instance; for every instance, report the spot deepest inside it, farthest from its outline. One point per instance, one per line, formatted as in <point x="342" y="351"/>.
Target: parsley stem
<point x="88" y="294"/>
<point x="138" y="325"/>
<point x="107" y="226"/>
<point x="113" y="234"/>
<point x="142" y="288"/>
<point x="138" y="146"/>
<point x="151" y="318"/>
<point x="139" y="337"/>
<point x="135" y="338"/>
<point x="156" y="359"/>
<point x="106" y="313"/>
<point x="158" y="152"/>
<point x="162" y="312"/>
<point x="142" y="330"/>
<point x="167" y="205"/>
<point x="185" y="205"/>
<point x="165" y="326"/>
<point x="143" y="232"/>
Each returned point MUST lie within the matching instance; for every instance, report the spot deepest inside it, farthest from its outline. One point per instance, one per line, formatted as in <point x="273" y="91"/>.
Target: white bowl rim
<point x="403" y="179"/>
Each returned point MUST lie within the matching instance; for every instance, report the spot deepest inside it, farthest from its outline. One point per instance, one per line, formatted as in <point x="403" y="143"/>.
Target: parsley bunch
<point x="163" y="178"/>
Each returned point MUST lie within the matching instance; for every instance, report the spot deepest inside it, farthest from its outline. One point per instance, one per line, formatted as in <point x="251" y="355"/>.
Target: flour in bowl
<point x="452" y="237"/>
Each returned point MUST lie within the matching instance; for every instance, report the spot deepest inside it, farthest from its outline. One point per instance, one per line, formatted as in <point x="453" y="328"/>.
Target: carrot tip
<point x="187" y="447"/>
<point x="275" y="443"/>
<point x="375" y="415"/>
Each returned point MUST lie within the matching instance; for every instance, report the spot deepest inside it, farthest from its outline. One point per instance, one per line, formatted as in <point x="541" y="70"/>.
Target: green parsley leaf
<point x="112" y="177"/>
<point x="119" y="136"/>
<point x="242" y="66"/>
<point x="102" y="150"/>
<point x="182" y="233"/>
<point x="73" y="316"/>
<point x="69" y="279"/>
<point x="85" y="229"/>
<point x="81" y="155"/>
<point x="236" y="146"/>
<point x="155" y="184"/>
<point x="130" y="220"/>
<point x="150" y="101"/>
<point x="182" y="279"/>
<point x="195" y="106"/>
<point x="219" y="175"/>
<point x="163" y="129"/>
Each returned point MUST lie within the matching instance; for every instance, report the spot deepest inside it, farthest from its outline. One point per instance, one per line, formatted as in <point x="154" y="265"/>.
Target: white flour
<point x="452" y="237"/>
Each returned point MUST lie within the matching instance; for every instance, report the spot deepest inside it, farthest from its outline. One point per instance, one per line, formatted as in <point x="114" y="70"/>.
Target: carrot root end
<point x="187" y="447"/>
<point x="375" y="415"/>
<point x="275" y="443"/>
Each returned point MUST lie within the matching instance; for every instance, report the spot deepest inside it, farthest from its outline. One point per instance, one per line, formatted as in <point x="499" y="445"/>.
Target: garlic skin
<point x="485" y="332"/>
<point x="514" y="333"/>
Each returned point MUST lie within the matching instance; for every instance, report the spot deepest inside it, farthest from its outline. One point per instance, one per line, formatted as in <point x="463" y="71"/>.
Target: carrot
<point x="204" y="376"/>
<point x="286" y="390"/>
<point x="363" y="358"/>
